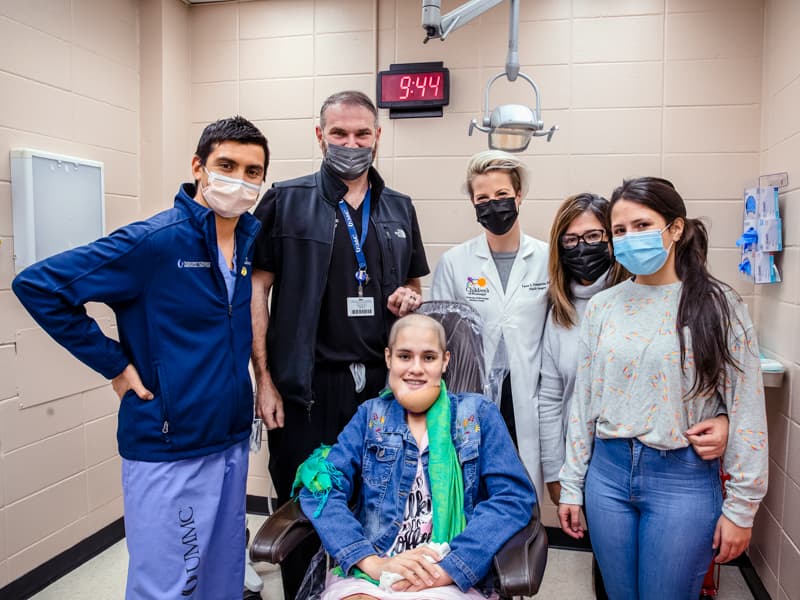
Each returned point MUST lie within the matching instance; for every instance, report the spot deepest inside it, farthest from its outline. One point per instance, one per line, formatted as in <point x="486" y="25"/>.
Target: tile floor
<point x="568" y="577"/>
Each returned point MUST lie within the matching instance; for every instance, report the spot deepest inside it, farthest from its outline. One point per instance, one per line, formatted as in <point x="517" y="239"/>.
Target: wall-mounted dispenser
<point x="762" y="235"/>
<point x="57" y="203"/>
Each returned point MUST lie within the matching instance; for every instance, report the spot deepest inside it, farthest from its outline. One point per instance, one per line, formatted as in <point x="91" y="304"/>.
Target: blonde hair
<point x="415" y="320"/>
<point x="497" y="160"/>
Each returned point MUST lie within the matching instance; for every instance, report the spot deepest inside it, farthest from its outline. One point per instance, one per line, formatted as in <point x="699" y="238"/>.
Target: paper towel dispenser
<point x="57" y="203"/>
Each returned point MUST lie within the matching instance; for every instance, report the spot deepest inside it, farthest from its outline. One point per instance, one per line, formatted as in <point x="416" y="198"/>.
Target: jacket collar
<point x="184" y="201"/>
<point x="334" y="189"/>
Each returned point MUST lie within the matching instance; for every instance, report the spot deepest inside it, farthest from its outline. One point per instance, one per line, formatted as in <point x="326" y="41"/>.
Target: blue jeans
<point x="651" y="515"/>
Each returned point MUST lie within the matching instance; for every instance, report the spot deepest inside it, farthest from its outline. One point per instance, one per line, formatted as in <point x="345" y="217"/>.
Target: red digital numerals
<point x="411" y="87"/>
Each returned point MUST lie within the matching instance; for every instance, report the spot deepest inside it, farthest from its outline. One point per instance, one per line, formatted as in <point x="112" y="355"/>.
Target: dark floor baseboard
<point x="751" y="578"/>
<point x="58" y="566"/>
<point x="259" y="505"/>
<point x="561" y="541"/>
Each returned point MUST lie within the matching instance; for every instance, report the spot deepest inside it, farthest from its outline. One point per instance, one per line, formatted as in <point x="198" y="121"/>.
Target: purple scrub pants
<point x="185" y="526"/>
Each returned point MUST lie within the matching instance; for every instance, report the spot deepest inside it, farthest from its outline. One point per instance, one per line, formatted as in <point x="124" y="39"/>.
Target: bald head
<point x="415" y="320"/>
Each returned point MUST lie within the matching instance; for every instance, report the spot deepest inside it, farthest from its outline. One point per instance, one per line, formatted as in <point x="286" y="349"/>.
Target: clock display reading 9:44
<point x="411" y="87"/>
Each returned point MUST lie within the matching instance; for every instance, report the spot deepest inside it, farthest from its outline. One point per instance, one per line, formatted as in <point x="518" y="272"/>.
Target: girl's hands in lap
<point x="418" y="572"/>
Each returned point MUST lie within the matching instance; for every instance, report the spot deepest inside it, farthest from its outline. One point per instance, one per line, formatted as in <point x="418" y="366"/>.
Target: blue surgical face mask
<point x="642" y="253"/>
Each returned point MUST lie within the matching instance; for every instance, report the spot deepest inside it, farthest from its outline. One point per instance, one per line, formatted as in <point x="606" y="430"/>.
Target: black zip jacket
<point x="301" y="238"/>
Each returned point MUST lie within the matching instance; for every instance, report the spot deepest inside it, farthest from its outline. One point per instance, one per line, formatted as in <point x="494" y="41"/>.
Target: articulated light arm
<point x="438" y="26"/>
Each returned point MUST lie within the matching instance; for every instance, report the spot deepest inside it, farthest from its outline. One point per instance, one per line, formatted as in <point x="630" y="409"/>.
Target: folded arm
<point x="56" y="290"/>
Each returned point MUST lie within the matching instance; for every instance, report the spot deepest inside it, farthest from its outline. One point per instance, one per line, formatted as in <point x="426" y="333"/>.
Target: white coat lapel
<point x="519" y="268"/>
<point x="488" y="268"/>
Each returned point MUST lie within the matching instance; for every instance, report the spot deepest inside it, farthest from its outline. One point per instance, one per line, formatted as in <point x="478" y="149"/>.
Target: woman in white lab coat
<point x="502" y="273"/>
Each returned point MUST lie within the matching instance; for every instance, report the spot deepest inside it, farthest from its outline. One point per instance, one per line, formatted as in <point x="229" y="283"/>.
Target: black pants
<point x="335" y="403"/>
<point x="507" y="409"/>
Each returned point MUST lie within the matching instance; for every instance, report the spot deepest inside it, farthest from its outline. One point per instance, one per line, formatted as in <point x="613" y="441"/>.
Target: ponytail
<point x="704" y="309"/>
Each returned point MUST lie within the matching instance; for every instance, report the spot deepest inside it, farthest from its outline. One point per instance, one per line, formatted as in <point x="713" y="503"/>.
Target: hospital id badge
<point x="360" y="306"/>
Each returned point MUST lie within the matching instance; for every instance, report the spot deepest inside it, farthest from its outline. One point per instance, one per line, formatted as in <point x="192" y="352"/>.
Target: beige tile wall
<point x="662" y="87"/>
<point x="69" y="74"/>
<point x="776" y="547"/>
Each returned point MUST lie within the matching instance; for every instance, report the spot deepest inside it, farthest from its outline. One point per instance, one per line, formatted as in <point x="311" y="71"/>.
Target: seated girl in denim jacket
<point x="439" y="485"/>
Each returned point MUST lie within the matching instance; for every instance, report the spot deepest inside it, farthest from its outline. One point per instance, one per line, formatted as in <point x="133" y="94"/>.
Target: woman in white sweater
<point x="657" y="354"/>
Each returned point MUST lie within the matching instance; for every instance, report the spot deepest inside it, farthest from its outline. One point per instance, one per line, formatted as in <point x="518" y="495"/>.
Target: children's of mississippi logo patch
<point x="477" y="289"/>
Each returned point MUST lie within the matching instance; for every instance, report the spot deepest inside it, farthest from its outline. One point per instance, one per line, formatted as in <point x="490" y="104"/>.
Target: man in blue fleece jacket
<point x="179" y="285"/>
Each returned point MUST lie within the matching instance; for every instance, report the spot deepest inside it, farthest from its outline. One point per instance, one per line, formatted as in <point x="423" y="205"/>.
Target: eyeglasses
<point x="590" y="238"/>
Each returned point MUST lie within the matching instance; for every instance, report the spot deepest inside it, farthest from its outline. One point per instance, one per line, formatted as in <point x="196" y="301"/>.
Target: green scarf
<point x="318" y="476"/>
<point x="444" y="472"/>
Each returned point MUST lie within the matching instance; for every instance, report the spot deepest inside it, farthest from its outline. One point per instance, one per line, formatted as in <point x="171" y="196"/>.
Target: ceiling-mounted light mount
<point x="510" y="126"/>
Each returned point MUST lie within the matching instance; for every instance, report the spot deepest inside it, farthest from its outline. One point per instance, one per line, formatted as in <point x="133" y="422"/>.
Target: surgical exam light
<point x="510" y="126"/>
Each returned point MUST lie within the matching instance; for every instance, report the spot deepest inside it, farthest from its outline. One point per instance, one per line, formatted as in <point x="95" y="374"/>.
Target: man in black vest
<point x="342" y="255"/>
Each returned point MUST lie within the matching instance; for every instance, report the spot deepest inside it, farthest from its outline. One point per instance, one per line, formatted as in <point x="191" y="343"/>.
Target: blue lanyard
<point x="358" y="244"/>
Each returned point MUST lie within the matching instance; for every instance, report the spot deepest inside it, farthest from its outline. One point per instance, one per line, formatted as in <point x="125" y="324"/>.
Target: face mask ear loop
<point x="672" y="242"/>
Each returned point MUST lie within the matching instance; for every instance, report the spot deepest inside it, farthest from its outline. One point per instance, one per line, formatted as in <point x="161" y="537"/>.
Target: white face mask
<point x="229" y="197"/>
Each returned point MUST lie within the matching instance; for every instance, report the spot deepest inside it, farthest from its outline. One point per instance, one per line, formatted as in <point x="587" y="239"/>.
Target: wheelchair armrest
<point x="521" y="561"/>
<point x="281" y="533"/>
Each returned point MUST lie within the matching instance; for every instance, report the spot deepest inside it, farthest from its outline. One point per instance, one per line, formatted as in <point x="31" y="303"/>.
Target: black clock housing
<point x="414" y="89"/>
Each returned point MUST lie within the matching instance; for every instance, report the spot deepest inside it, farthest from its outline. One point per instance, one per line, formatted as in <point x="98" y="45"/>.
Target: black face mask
<point x="497" y="216"/>
<point x="586" y="262"/>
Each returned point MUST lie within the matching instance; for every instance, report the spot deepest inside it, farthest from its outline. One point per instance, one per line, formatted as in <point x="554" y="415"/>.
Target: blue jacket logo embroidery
<point x="193" y="264"/>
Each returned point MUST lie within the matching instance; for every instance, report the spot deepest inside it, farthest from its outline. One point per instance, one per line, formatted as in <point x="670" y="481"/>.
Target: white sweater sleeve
<point x="551" y="406"/>
<point x="581" y="427"/>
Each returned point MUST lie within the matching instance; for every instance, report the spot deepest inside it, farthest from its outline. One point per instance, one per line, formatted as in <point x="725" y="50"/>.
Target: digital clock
<point x="414" y="89"/>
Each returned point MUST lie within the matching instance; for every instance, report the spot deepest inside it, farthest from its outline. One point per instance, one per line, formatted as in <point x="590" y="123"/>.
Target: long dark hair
<point x="704" y="306"/>
<point x="560" y="290"/>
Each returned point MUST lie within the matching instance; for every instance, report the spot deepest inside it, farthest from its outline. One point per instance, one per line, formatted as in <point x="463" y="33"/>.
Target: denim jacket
<point x="377" y="455"/>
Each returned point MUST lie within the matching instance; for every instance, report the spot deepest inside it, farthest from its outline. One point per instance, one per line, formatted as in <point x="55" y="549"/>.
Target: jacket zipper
<point x="390" y="248"/>
<point x="164" y="402"/>
<point x="238" y="269"/>
<point x="235" y="381"/>
<point x="310" y="404"/>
